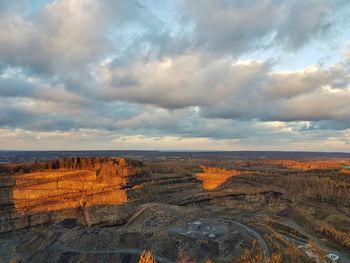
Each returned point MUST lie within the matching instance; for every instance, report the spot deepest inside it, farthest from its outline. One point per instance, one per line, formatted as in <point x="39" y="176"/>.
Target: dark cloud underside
<point x="206" y="75"/>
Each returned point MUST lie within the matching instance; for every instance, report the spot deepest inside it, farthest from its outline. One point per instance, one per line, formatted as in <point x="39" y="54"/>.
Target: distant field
<point x="27" y="156"/>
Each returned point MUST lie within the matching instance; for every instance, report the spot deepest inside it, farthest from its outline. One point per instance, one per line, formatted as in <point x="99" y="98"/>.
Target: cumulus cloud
<point x="63" y="36"/>
<point x="236" y="27"/>
<point x="223" y="88"/>
<point x="188" y="80"/>
<point x="141" y="72"/>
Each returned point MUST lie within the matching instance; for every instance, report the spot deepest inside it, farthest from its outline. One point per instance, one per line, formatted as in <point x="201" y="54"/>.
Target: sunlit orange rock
<point x="214" y="177"/>
<point x="147" y="257"/>
<point x="72" y="184"/>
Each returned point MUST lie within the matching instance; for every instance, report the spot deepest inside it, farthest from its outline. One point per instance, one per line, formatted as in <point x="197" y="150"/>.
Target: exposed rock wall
<point x="109" y="190"/>
<point x="43" y="192"/>
<point x="212" y="178"/>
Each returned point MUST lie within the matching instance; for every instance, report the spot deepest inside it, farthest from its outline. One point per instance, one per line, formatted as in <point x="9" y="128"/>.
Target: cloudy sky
<point x="175" y="74"/>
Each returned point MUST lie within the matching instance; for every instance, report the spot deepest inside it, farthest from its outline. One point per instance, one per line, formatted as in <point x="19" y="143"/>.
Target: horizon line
<point x="170" y="150"/>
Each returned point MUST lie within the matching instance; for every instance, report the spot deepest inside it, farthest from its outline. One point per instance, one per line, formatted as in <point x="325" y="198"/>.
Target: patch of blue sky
<point x="34" y="6"/>
<point x="319" y="53"/>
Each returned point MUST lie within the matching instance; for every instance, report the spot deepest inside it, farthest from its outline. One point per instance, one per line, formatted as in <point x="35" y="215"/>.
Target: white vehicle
<point x="333" y="257"/>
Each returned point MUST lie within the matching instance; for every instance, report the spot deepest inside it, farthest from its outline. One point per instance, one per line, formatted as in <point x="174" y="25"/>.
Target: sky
<point x="175" y="75"/>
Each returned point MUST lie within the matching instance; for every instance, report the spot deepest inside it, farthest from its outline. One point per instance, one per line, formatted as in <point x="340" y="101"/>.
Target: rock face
<point x="212" y="178"/>
<point x="107" y="191"/>
<point x="173" y="210"/>
<point x="71" y="187"/>
<point x="43" y="192"/>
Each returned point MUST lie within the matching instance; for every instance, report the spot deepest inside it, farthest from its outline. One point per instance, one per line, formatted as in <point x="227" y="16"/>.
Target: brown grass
<point x="337" y="236"/>
<point x="255" y="254"/>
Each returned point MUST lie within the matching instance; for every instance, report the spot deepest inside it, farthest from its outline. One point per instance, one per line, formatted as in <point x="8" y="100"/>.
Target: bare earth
<point x="182" y="209"/>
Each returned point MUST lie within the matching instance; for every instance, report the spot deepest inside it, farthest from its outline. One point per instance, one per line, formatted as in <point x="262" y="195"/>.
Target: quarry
<point x="112" y="209"/>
